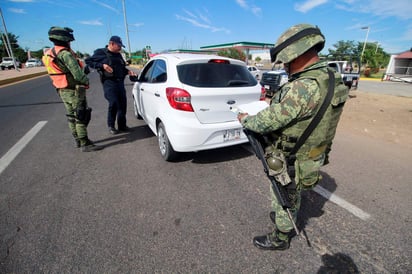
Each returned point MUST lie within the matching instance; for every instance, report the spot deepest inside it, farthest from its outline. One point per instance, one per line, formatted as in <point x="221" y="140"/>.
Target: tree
<point x="233" y="53"/>
<point x="18" y="52"/>
<point x="343" y="50"/>
<point x="373" y="57"/>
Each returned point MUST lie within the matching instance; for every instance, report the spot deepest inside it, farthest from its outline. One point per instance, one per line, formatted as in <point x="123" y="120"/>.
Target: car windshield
<point x="215" y="75"/>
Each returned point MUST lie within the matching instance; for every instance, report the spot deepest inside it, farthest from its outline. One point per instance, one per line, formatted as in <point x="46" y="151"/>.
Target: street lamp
<point x="366" y="39"/>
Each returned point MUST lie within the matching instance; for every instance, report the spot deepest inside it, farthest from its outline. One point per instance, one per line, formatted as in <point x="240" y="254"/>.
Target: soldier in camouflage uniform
<point x="71" y="82"/>
<point x="289" y="113"/>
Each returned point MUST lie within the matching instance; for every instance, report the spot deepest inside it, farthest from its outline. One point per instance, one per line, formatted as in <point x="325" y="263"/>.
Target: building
<point x="400" y="67"/>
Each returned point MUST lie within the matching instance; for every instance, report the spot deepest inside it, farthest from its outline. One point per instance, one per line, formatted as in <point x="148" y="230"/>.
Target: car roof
<point x="192" y="57"/>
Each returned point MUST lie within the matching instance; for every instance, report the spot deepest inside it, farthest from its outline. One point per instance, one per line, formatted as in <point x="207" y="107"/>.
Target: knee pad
<point x="84" y="115"/>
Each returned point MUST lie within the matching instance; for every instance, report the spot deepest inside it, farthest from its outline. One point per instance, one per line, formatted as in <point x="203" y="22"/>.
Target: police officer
<point x="289" y="114"/>
<point x="69" y="79"/>
<point x="112" y="69"/>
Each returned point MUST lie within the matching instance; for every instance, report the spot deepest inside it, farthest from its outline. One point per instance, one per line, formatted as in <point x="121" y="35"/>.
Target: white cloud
<point x="242" y="3"/>
<point x="106" y="6"/>
<point x="136" y="24"/>
<point x="254" y="9"/>
<point x="189" y="13"/>
<point x="384" y="8"/>
<point x="308" y="5"/>
<point x="200" y="21"/>
<point x="257" y="11"/>
<point x="20" y="11"/>
<point x="96" y="22"/>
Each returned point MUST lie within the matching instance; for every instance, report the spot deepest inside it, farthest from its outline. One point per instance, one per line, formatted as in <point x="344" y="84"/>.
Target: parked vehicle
<point x="350" y="71"/>
<point x="9" y="63"/>
<point x="255" y="72"/>
<point x="185" y="99"/>
<point x="32" y="62"/>
<point x="272" y="80"/>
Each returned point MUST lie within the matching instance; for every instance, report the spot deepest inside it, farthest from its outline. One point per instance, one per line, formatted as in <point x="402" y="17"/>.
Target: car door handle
<point x="157" y="94"/>
<point x="141" y="89"/>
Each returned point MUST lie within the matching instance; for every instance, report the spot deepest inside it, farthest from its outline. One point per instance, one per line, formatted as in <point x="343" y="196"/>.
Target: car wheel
<point x="166" y="149"/>
<point x="136" y="110"/>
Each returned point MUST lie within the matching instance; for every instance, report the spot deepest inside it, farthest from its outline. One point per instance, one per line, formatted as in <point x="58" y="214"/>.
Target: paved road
<point x="124" y="209"/>
<point x="385" y="87"/>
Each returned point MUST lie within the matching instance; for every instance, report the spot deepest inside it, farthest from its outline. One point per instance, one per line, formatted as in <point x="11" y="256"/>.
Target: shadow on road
<point x="136" y="133"/>
<point x="337" y="263"/>
<point x="215" y="155"/>
<point x="312" y="203"/>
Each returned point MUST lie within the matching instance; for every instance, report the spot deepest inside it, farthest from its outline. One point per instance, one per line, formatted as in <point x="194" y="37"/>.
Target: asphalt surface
<point x="124" y="210"/>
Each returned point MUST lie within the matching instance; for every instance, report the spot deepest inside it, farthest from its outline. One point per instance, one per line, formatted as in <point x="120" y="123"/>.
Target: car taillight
<point x="179" y="99"/>
<point x="262" y="94"/>
<point x="219" y="61"/>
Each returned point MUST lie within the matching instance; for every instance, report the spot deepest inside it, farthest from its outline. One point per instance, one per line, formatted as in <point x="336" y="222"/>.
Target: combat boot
<point x="89" y="147"/>
<point x="276" y="240"/>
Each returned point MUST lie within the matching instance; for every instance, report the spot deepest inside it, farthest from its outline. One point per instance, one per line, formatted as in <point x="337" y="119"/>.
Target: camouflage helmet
<point x="61" y="34"/>
<point x="296" y="41"/>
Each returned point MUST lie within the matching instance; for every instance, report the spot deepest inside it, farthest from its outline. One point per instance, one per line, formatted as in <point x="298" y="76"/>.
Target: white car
<point x="9" y="63"/>
<point x="186" y="100"/>
<point x="255" y="72"/>
<point x="32" y="63"/>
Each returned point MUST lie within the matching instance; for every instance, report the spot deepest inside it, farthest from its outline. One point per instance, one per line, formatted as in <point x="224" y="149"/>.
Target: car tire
<point x="166" y="149"/>
<point x="136" y="110"/>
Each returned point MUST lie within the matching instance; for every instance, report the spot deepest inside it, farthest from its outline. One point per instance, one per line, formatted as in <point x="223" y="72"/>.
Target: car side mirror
<point x="133" y="78"/>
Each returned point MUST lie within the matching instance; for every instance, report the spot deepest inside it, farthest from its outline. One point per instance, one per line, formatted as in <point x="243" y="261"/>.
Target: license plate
<point x="267" y="87"/>
<point x="231" y="134"/>
<point x="349" y="78"/>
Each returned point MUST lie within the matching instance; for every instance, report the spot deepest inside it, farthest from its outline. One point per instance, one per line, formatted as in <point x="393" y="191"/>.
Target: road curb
<point x="22" y="77"/>
<point x="370" y="79"/>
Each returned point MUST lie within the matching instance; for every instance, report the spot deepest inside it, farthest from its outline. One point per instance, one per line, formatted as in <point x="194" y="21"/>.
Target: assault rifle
<point x="255" y="141"/>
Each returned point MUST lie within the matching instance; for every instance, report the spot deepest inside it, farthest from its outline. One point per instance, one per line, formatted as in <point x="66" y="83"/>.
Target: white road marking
<point x="18" y="147"/>
<point x="332" y="197"/>
<point x="342" y="203"/>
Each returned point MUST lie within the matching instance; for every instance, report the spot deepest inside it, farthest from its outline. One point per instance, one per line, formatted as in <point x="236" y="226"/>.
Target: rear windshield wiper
<point x="237" y="83"/>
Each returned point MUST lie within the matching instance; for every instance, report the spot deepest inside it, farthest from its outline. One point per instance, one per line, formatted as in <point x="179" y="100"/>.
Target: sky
<point x="191" y="24"/>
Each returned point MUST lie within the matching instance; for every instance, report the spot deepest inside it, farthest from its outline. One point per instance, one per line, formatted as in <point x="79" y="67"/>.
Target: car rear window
<point x="215" y="75"/>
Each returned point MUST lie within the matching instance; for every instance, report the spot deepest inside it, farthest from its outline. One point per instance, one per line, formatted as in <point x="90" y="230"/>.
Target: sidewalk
<point x="12" y="75"/>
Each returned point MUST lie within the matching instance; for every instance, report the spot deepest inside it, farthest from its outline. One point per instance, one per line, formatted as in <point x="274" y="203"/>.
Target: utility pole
<point x="8" y="45"/>
<point x="366" y="39"/>
<point x="127" y="28"/>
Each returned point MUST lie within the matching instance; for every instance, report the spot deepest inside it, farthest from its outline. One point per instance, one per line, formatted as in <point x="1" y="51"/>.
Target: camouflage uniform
<point x="287" y="116"/>
<point x="74" y="98"/>
<point x="70" y="80"/>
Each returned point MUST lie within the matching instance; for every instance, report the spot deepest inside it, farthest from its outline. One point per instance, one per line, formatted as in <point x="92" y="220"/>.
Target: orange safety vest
<point x="56" y="73"/>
